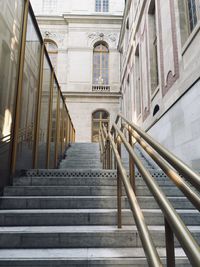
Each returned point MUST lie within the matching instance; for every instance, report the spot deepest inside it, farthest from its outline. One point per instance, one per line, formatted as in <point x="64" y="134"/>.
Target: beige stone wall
<point x="75" y="29"/>
<point x="81" y="109"/>
<point x="178" y="70"/>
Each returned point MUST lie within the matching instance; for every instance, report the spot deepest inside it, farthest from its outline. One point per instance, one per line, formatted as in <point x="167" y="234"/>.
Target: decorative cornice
<point x="110" y="36"/>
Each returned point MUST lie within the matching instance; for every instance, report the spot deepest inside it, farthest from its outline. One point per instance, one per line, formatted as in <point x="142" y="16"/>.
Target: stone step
<point x="80" y="182"/>
<point x="81" y="236"/>
<point x="87" y="257"/>
<point x="83" y="202"/>
<point x="67" y="217"/>
<point x="61" y="190"/>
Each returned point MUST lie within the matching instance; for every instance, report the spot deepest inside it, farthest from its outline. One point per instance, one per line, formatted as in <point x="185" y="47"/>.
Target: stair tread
<point x="83" y="229"/>
<point x="92" y="253"/>
<point x="182" y="211"/>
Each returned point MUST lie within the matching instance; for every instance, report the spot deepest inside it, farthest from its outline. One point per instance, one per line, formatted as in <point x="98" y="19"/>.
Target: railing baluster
<point x="131" y="165"/>
<point x="119" y="189"/>
<point x="169" y="239"/>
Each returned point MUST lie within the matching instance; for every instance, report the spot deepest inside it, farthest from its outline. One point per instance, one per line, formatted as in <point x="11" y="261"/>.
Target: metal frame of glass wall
<point x="35" y="125"/>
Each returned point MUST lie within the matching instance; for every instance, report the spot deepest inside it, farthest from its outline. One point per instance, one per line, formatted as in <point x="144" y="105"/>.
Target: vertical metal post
<point x="108" y="155"/>
<point x="170" y="252"/>
<point x="119" y="189"/>
<point x="38" y="110"/>
<point x="19" y="89"/>
<point x="115" y="162"/>
<point x="62" y="129"/>
<point x="50" y="121"/>
<point x="131" y="164"/>
<point x="57" y="129"/>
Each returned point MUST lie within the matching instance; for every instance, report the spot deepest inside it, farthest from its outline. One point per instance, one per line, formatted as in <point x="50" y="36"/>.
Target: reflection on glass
<point x="10" y="29"/>
<point x="29" y="98"/>
<point x="44" y="115"/>
<point x="61" y="131"/>
<point x="53" y="126"/>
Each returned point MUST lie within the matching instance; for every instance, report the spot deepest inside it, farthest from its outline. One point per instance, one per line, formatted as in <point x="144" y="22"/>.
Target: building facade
<point x="82" y="39"/>
<point x="160" y="71"/>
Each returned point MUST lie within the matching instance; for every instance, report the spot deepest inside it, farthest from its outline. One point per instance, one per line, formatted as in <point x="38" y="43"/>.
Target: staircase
<point x="68" y="217"/>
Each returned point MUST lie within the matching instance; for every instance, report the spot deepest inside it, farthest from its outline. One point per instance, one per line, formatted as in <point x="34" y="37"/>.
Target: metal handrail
<point x="191" y="176"/>
<point x="148" y="244"/>
<point x="173" y="222"/>
<point x="193" y="196"/>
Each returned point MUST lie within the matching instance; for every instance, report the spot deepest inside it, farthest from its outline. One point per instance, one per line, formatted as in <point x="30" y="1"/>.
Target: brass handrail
<point x="173" y="222"/>
<point x="191" y="176"/>
<point x="146" y="239"/>
<point x="193" y="196"/>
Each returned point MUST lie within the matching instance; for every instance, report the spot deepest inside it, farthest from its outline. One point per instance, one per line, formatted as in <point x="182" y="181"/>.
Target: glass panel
<point x="29" y="98"/>
<point x="95" y="136"/>
<point x="192" y="14"/>
<point x="100" y="65"/>
<point x="53" y="127"/>
<point x="105" y="5"/>
<point x="96" y="115"/>
<point x="96" y="125"/>
<point x="11" y="13"/>
<point x="44" y="115"/>
<point x="105" y="115"/>
<point x="65" y="128"/>
<point x="98" y="6"/>
<point x="60" y="131"/>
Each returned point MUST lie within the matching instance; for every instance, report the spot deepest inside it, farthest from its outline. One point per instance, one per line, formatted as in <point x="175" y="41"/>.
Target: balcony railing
<point x="100" y="88"/>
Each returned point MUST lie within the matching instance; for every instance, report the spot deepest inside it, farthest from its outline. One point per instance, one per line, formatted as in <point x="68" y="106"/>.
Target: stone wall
<point x="178" y="68"/>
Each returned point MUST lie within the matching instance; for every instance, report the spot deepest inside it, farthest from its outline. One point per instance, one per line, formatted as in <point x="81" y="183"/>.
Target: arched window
<point x="101" y="65"/>
<point x="52" y="50"/>
<point x="99" y="117"/>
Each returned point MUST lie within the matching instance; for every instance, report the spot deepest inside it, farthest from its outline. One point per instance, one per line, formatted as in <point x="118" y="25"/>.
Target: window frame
<point x="99" y="120"/>
<point x="101" y="67"/>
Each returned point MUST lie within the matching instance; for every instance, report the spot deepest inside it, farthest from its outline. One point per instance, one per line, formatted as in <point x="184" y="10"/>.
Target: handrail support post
<point x="119" y="189"/>
<point x="131" y="164"/>
<point x="170" y="251"/>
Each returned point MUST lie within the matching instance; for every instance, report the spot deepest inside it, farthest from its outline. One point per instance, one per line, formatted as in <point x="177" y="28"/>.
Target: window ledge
<point x="100" y="88"/>
<point x="191" y="38"/>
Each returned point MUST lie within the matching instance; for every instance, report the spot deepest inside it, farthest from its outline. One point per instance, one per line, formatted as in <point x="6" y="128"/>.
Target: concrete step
<point x="79" y="236"/>
<point x="61" y="190"/>
<point x="29" y="181"/>
<point x="87" y="257"/>
<point x="57" y="181"/>
<point x="67" y="217"/>
<point x="82" y="202"/>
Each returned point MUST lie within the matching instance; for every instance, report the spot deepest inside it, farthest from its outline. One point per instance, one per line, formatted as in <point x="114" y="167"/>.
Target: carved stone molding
<point x="57" y="37"/>
<point x="112" y="37"/>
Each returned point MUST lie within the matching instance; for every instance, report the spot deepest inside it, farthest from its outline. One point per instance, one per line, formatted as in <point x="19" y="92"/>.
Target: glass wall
<point x="29" y="97"/>
<point x="53" y="126"/>
<point x="32" y="117"/>
<point x="44" y="115"/>
<point x="11" y="16"/>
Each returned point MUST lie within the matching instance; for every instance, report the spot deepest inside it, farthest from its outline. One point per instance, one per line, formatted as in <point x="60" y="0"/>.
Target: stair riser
<point x="82" y="203"/>
<point x="85" y="263"/>
<point x="139" y="181"/>
<point x="79" y="240"/>
<point x="69" y="219"/>
<point x="169" y="190"/>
